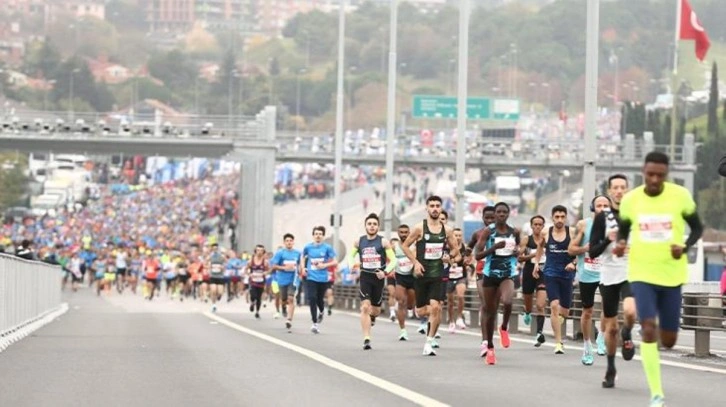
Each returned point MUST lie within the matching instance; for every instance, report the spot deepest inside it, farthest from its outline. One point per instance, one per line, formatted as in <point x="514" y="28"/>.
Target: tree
<point x="43" y="59"/>
<point x="712" y="205"/>
<point x="174" y="68"/>
<point x="13" y="183"/>
<point x="713" y="102"/>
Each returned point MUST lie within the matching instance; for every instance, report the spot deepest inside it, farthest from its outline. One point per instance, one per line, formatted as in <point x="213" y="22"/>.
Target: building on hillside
<point x="108" y="72"/>
<point x="50" y="8"/>
<point x="169" y="15"/>
<point x="24" y="7"/>
<point x="82" y="8"/>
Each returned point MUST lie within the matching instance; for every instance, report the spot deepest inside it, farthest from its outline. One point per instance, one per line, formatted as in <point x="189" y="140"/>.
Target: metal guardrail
<point x="28" y="289"/>
<point x="701" y="313"/>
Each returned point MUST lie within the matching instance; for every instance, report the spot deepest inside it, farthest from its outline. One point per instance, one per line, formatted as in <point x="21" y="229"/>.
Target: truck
<point x="508" y="188"/>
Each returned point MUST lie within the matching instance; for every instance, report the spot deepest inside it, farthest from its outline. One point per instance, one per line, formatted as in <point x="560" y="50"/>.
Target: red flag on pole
<point x="691" y="29"/>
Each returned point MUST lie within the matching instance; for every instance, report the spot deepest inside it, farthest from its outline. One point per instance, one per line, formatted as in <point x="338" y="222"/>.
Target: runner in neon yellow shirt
<point x="657" y="213"/>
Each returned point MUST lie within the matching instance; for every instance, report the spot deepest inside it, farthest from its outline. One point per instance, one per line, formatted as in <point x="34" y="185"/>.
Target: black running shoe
<point x="367" y="344"/>
<point x="609" y="381"/>
<point x="628" y="348"/>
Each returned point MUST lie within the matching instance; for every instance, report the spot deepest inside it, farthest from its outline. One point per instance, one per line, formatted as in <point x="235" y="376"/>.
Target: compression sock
<point x="651" y="365"/>
<point x="540" y="323"/>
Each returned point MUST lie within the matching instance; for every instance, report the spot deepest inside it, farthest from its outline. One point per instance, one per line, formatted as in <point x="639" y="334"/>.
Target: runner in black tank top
<point x="429" y="237"/>
<point x="530" y="284"/>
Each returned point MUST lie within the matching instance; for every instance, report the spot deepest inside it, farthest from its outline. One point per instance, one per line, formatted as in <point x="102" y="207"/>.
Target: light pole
<point x="71" y="113"/>
<point x="339" y="123"/>
<point x="297" y="102"/>
<point x="591" y="72"/>
<point x="461" y="109"/>
<point x="391" y="119"/>
<point x="546" y="85"/>
<point x="230" y="90"/>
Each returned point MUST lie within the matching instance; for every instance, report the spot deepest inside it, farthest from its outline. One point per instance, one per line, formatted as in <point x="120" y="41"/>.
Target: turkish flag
<point x="691" y="29"/>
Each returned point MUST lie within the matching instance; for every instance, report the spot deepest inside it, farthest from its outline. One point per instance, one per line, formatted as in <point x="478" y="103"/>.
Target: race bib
<point x="404" y="265"/>
<point x="216" y="268"/>
<point x="182" y="272"/>
<point x="370" y="259"/>
<point x="433" y="251"/>
<point x="288" y="263"/>
<point x="258" y="277"/>
<point x="509" y="245"/>
<point x="656" y="228"/>
<point x="593" y="265"/>
<point x="456" y="272"/>
<point x="315" y="261"/>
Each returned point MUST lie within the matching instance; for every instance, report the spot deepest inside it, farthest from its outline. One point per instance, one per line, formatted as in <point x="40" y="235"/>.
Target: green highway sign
<point x="445" y="107"/>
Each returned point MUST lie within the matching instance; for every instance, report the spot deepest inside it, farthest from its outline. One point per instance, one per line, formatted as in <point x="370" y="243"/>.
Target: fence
<point x="702" y="313"/>
<point x="29" y="290"/>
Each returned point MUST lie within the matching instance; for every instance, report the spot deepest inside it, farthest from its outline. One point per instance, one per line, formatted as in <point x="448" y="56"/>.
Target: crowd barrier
<point x="29" y="292"/>
<point x="702" y="313"/>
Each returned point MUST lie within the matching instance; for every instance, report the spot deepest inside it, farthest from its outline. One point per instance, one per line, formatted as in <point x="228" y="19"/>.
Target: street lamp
<point x="339" y="123"/>
<point x="391" y="119"/>
<point x="71" y="114"/>
<point x="297" y="102"/>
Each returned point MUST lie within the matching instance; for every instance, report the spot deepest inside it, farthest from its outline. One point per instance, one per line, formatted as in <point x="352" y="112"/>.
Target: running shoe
<point x="587" y="358"/>
<point x="628" y="348"/>
<point x="527" y="318"/>
<point x="428" y="350"/>
<point x="214" y="307"/>
<point x="491" y="358"/>
<point x="657" y="401"/>
<point x="559" y="349"/>
<point x="367" y="344"/>
<point x="276" y="316"/>
<point x="460" y="324"/>
<point x="437" y="335"/>
<point x="330" y="311"/>
<point x="600" y="342"/>
<point x="403" y="336"/>
<point x="483" y="349"/>
<point x="434" y="344"/>
<point x="320" y="317"/>
<point x="393" y="316"/>
<point x="288" y="325"/>
<point x="257" y="315"/>
<point x="539" y="339"/>
<point x="609" y="380"/>
<point x="504" y="338"/>
<point x="315" y="329"/>
<point x="452" y="328"/>
<point x="422" y="327"/>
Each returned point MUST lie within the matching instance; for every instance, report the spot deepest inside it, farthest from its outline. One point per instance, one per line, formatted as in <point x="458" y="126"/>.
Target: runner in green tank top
<point x="429" y="237"/>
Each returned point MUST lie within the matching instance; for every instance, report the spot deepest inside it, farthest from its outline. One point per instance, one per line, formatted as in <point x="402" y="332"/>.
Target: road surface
<point x="121" y="351"/>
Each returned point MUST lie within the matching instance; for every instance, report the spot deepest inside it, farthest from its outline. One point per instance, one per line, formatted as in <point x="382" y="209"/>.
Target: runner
<point x="377" y="261"/>
<point x="122" y="257"/>
<point x="559" y="271"/>
<point x="588" y="276"/>
<point x="258" y="268"/>
<point x="499" y="245"/>
<point x="316" y="258"/>
<point x="215" y="262"/>
<point x="487" y="216"/>
<point x="657" y="269"/>
<point x="528" y="250"/>
<point x="285" y="263"/>
<point x="456" y="287"/>
<point x="429" y="237"/>
<point x="614" y="285"/>
<point x="405" y="293"/>
<point x="233" y="270"/>
<point x="151" y="267"/>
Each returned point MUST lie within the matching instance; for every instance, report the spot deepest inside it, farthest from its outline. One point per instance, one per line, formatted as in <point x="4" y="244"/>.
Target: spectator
<point x="24" y="251"/>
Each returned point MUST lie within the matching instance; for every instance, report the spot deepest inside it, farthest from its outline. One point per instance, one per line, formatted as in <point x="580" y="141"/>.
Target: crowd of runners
<point x="630" y="249"/>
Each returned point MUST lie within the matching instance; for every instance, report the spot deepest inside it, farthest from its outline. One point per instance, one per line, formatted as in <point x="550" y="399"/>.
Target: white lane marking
<point x="392" y="388"/>
<point x="699" y="368"/>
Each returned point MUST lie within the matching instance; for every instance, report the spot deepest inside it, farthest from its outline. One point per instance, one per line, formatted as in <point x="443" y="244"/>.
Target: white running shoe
<point x="452" y="328"/>
<point x="483" y="349"/>
<point x="428" y="350"/>
<point x="276" y="316"/>
<point x="315" y="329"/>
<point x="460" y="323"/>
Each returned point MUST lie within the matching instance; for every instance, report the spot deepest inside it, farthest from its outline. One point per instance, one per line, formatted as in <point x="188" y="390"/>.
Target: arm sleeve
<point x="624" y="221"/>
<point x="694" y="222"/>
<point x="392" y="261"/>
<point x="353" y="254"/>
<point x="598" y="241"/>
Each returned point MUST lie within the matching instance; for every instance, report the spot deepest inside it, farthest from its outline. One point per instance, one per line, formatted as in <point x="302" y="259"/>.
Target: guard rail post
<point x="702" y="313"/>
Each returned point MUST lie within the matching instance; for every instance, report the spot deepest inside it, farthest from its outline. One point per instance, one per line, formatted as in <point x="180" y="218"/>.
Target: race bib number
<point x="593" y="265"/>
<point x="404" y="265"/>
<point x="433" y="251"/>
<point x="182" y="272"/>
<point x="656" y="228"/>
<point x="216" y="268"/>
<point x="314" y="263"/>
<point x="288" y="263"/>
<point x="509" y="245"/>
<point x="258" y="277"/>
<point x="370" y="259"/>
<point x="456" y="272"/>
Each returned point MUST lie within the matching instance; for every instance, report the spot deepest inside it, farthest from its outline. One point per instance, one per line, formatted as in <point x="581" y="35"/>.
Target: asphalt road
<point x="121" y="350"/>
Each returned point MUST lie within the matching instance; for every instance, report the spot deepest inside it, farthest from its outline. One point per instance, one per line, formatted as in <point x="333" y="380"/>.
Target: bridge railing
<point x="28" y="290"/>
<point x="702" y="313"/>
